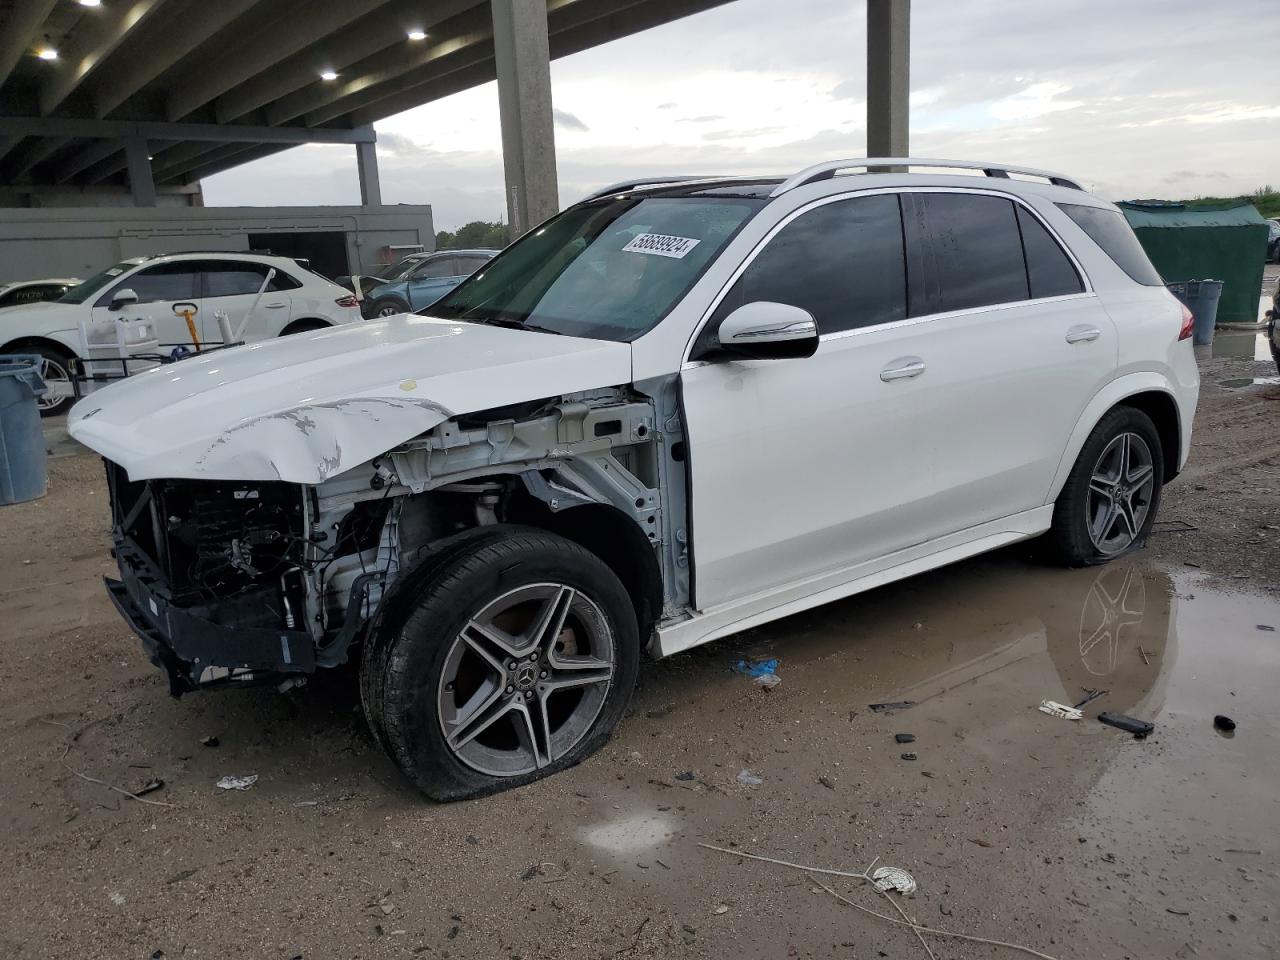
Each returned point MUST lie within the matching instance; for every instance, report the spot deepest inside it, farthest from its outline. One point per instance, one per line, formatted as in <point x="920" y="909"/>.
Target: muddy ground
<point x="1069" y="837"/>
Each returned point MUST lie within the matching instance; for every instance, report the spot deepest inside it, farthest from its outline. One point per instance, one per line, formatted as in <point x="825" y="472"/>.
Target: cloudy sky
<point x="1137" y="98"/>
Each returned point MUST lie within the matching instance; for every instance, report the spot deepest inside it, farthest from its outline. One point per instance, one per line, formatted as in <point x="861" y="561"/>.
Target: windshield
<point x="609" y="270"/>
<point x="83" y="291"/>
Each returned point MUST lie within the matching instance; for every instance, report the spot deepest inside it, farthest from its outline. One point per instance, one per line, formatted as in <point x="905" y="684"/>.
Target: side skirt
<point x="717" y="622"/>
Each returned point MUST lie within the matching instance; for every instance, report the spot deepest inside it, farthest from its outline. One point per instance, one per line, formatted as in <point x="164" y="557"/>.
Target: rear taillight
<point x="348" y="301"/>
<point x="1188" y="324"/>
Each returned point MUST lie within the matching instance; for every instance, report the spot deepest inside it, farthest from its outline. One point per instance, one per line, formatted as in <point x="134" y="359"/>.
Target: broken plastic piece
<point x="908" y="756"/>
<point x="237" y="783"/>
<point x="764" y="672"/>
<point x="905" y="737"/>
<point x="1055" y="709"/>
<point x="1139" y="728"/>
<point x="1224" y="723"/>
<point x="893" y="878"/>
<point x="749" y="778"/>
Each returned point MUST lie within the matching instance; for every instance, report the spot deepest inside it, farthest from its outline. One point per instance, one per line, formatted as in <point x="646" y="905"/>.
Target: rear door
<point x="1015" y="349"/>
<point x="230" y="287"/>
<point x="432" y="279"/>
<point x="161" y="288"/>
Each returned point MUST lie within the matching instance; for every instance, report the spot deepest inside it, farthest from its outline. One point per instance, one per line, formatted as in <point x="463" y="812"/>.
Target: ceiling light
<point x="417" y="34"/>
<point x="47" y="53"/>
<point x="90" y="3"/>
<point x="328" y="75"/>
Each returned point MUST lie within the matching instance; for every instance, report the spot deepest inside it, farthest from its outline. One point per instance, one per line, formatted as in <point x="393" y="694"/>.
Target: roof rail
<point x="625" y="185"/>
<point x="825" y="171"/>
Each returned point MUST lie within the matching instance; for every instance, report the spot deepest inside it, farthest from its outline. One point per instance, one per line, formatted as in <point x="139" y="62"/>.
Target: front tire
<point x="387" y="307"/>
<point x="508" y="656"/>
<point x="1110" y="499"/>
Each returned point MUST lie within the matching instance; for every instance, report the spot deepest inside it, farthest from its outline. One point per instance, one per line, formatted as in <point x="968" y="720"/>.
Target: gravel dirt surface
<point x="1068" y="836"/>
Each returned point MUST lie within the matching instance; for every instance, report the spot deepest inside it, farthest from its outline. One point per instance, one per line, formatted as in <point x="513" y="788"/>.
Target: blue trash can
<point x="23" y="471"/>
<point x="1201" y="298"/>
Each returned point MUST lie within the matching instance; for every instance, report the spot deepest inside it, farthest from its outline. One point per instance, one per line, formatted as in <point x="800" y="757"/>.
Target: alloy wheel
<point x="1121" y="488"/>
<point x="58" y="380"/>
<point x="525" y="679"/>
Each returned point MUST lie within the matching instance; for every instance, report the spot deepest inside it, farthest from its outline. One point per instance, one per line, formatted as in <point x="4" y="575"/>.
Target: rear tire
<point x="507" y="656"/>
<point x="387" y="307"/>
<point x="56" y="371"/>
<point x="1110" y="499"/>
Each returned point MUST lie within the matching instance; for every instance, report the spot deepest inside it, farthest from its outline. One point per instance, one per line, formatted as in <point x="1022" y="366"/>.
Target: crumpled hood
<point x="306" y="407"/>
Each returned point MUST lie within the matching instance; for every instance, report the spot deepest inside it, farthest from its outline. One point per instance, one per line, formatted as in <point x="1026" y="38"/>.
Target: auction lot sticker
<point x="661" y="245"/>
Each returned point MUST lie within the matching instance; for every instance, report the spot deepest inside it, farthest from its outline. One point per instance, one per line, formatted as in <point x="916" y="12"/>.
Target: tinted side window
<point x="843" y="262"/>
<point x="975" y="249"/>
<point x="1049" y="271"/>
<point x="469" y="265"/>
<point x="434" y="269"/>
<point x="1110" y="230"/>
<point x="165" y="281"/>
<point x="231" y="278"/>
<point x="284" y="281"/>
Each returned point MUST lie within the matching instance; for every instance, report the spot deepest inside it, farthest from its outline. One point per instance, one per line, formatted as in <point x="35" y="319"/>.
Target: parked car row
<point x="48" y="316"/>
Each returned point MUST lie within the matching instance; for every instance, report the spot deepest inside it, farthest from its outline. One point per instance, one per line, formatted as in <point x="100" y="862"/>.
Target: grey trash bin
<point x="23" y="470"/>
<point x="1201" y="298"/>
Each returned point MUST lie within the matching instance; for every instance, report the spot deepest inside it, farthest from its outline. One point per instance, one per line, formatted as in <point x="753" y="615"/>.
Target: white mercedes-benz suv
<point x="163" y="290"/>
<point x="674" y="411"/>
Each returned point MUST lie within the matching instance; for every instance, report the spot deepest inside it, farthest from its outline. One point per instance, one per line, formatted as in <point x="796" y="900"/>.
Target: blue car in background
<point x="426" y="282"/>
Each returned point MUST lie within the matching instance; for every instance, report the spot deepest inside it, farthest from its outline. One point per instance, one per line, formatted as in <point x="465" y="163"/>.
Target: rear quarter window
<point x="1111" y="231"/>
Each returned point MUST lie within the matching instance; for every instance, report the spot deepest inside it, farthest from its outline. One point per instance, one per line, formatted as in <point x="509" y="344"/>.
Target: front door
<point x="160" y="288"/>
<point x="806" y="466"/>
<point x="431" y="280"/>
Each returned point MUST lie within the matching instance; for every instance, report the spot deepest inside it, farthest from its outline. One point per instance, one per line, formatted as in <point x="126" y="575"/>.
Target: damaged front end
<point x="235" y="582"/>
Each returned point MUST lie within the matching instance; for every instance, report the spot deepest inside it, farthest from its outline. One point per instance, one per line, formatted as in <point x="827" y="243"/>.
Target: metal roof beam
<point x="23" y="27"/>
<point x="198" y="25"/>
<point x="95" y="38"/>
<point x="361" y="40"/>
<point x="300" y="26"/>
<point x="157" y="130"/>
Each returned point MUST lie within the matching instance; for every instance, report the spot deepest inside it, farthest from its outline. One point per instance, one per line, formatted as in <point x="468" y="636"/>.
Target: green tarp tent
<point x="1191" y="241"/>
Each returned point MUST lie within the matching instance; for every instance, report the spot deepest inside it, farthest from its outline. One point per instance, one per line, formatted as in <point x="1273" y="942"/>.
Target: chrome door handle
<point x="275" y="306"/>
<point x="904" y="368"/>
<point x="1083" y="334"/>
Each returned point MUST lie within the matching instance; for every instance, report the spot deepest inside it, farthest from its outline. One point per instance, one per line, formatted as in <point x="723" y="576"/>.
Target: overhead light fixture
<point x="328" y="75"/>
<point x="417" y="34"/>
<point x="47" y="53"/>
<point x="90" y="3"/>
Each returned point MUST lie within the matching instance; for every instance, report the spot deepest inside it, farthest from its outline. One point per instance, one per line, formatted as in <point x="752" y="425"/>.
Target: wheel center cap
<point x="526" y="675"/>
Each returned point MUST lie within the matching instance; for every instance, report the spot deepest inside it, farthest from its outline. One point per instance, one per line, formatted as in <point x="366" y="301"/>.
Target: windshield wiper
<point x="511" y="324"/>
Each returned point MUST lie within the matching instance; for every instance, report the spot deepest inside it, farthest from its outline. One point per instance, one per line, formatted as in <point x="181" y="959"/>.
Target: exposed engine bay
<point x="232" y="582"/>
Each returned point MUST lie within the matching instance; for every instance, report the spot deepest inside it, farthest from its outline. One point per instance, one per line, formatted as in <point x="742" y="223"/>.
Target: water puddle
<point x="1240" y="345"/>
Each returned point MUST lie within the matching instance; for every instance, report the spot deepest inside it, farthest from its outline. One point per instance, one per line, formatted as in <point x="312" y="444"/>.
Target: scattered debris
<point x="151" y="786"/>
<point x="1256" y="853"/>
<point x="909" y="756"/>
<point x="1177" y="913"/>
<point x="687" y="775"/>
<point x="112" y="786"/>
<point x="1190" y="563"/>
<point x="237" y="783"/>
<point x="826" y="783"/>
<point x="1055" y="709"/>
<point x="987" y="843"/>
<point x="1139" y="728"/>
<point x="763" y="672"/>
<point x="749" y="778"/>
<point x="117" y="899"/>
<point x="1091" y="694"/>
<point x="209" y="741"/>
<point x="1172" y="526"/>
<point x="1142" y="653"/>
<point x="904" y="737"/>
<point x="182" y="875"/>
<point x="894" y="878"/>
<point x="1224" y="723"/>
<point x="721" y="909"/>
<point x="1266" y="627"/>
<point x="891" y="707"/>
<point x="661" y="864"/>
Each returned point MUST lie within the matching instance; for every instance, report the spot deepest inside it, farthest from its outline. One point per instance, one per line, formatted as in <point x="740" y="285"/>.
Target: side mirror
<point x="122" y="298"/>
<point x="768" y="331"/>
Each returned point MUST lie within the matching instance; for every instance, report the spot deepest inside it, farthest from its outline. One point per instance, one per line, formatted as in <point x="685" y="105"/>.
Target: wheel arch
<point x="35" y="340"/>
<point x="303" y="324"/>
<point x="1149" y="392"/>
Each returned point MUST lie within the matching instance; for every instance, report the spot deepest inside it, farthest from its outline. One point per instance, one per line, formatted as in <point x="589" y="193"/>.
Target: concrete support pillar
<point x="888" y="77"/>
<point x="524" y="103"/>
<point x="141" y="183"/>
<point x="367" y="169"/>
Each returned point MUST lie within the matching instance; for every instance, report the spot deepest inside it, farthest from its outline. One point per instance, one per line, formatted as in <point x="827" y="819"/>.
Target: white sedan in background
<point x="165" y="288"/>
